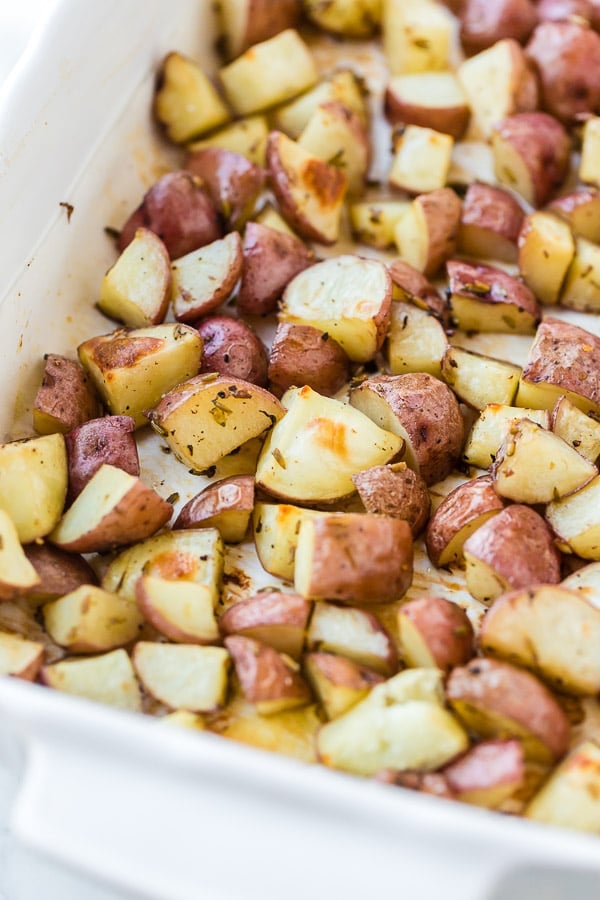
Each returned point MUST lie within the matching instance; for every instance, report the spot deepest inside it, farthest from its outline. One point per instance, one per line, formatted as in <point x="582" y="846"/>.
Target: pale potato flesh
<point x="186" y="102"/>
<point x="342" y="85"/>
<point x="353" y="633"/>
<point x="569" y="799"/>
<point x="338" y="683"/>
<point x="546" y="249"/>
<point x="181" y="610"/>
<point x="20" y="657"/>
<point x="576" y="521"/>
<point x="335" y="134"/>
<point x="579" y="431"/>
<point x="91" y="620"/>
<point x="183" y="676"/>
<point x="490" y="428"/>
<point x="589" y="169"/>
<point x="416" y="36"/>
<point x="421" y="160"/>
<point x="375" y="223"/>
<point x="108" y="679"/>
<point x="581" y="288"/>
<point x="204" y="278"/>
<point x="136" y="289"/>
<point x="33" y="484"/>
<point x="276" y="528"/>
<point x="479" y="380"/>
<point x="248" y="137"/>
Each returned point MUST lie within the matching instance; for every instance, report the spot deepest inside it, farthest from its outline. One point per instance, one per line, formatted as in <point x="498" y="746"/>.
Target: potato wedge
<point x="490" y="223"/>
<point x="17" y="575"/>
<point x="580" y="209"/>
<point x="59" y="572"/>
<point x="375" y="223"/>
<point x="271" y="617"/>
<point x="576" y="522"/>
<point x="358" y="18"/>
<point x="91" y="620"/>
<point x="578" y="430"/>
<point x="421" y="160"/>
<point x="569" y="798"/>
<point x="106" y="440"/>
<point x="587" y="580"/>
<point x="397" y="491"/>
<point x="33" y="484"/>
<point x="428" y="234"/>
<point x="546" y="250"/>
<point x="337" y="135"/>
<point x="186" y="103"/>
<point x="183" y="676"/>
<point x="136" y="289"/>
<point x="430" y="100"/>
<point x="205" y="278"/>
<point x="435" y="633"/>
<point x="205" y="418"/>
<point x="232" y="181"/>
<point x="589" y="172"/>
<point x="480" y="380"/>
<point x="411" y="286"/>
<point x="276" y="528"/>
<point x="490" y="429"/>
<point x="483" y="298"/>
<point x="247" y="136"/>
<point x="268" y="679"/>
<point x="337" y="682"/>
<point x="65" y="398"/>
<point x="246" y="22"/>
<point x="233" y="349"/>
<point x="343" y="85"/>
<point x="270" y="261"/>
<point x="416" y="36"/>
<point x="581" y="287"/>
<point x="181" y="610"/>
<point x="19" y="657"/>
<point x="355" y="634"/>
<point x="301" y="354"/>
<point x="226" y="505"/>
<point x="107" y="679"/>
<point x="416" y="341"/>
<point x="488" y="774"/>
<point x="462" y="511"/>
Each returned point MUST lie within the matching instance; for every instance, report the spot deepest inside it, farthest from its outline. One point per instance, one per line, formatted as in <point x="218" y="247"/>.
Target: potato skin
<point x="560" y="10"/>
<point x="444" y="627"/>
<point x="234" y="493"/>
<point x="567" y="58"/>
<point x="482" y="22"/>
<point x="232" y="181"/>
<point x="179" y="211"/>
<point x="66" y="395"/>
<point x="395" y="491"/>
<point x="264" y="674"/>
<point x="409" y="281"/>
<point x="301" y="354"/>
<point x="271" y="260"/>
<point x="231" y="347"/>
<point x="264" y="19"/>
<point x="59" y="572"/>
<point x="471" y="281"/>
<point x="433" y="783"/>
<point x="458" y="508"/>
<point x="496" y="215"/>
<point x="106" y="440"/>
<point x="544" y="144"/>
<point x="280" y="614"/>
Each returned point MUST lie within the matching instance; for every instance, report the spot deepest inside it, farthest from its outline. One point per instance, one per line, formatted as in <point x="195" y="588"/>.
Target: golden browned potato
<point x="246" y="22"/>
<point x="301" y="354"/>
<point x="460" y="513"/>
<point x="496" y="700"/>
<point x="567" y="58"/>
<point x="546" y="250"/>
<point x="514" y="549"/>
<point x="58" y="572"/>
<point x="337" y="134"/>
<point x="271" y="260"/>
<point x="569" y="798"/>
<point x="231" y="348"/>
<point x="268" y="679"/>
<point x="178" y="210"/>
<point x="490" y="223"/>
<point x="482" y="22"/>
<point x="66" y="397"/>
<point x="483" y="298"/>
<point x="338" y="683"/>
<point x="136" y="290"/>
<point x="186" y="103"/>
<point x="271" y="617"/>
<point x="428" y="234"/>
<point x="423" y="411"/>
<point x="488" y="773"/>
<point x="19" y="657"/>
<point x="397" y="491"/>
<point x="226" y="505"/>
<point x="232" y="181"/>
<point x="531" y="155"/>
<point x="91" y="620"/>
<point x="435" y="633"/>
<point x="107" y="440"/>
<point x="428" y="99"/>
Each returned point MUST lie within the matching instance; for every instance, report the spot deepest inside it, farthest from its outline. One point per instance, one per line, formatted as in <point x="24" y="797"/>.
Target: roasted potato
<point x="576" y="522"/>
<point x="546" y="250"/>
<point x="355" y="634"/>
<point x="19" y="657"/>
<point x="270" y="261"/>
<point x="462" y="511"/>
<point x="247" y="136"/>
<point x="428" y="99"/>
<point x="478" y="379"/>
<point x="490" y="223"/>
<point x="232" y="181"/>
<point x="569" y="798"/>
<point x="186" y="103"/>
<point x="205" y="278"/>
<point x="58" y="572"/>
<point x="416" y="341"/>
<point x="271" y="617"/>
<point x="106" y="440"/>
<point x="33" y="484"/>
<point x="488" y="774"/>
<point x="417" y="35"/>
<point x="410" y="285"/>
<point x="65" y="398"/>
<point x="17" y="575"/>
<point x="246" y="22"/>
<point x="91" y="620"/>
<point x="182" y="611"/>
<point x="483" y="298"/>
<point x="435" y="632"/>
<point x="108" y="678"/>
<point x="490" y="429"/>
<point x="268" y="679"/>
<point x="300" y="355"/>
<point x="358" y="18"/>
<point x="337" y="134"/>
<point x="428" y="234"/>
<point x="397" y="491"/>
<point x="421" y="160"/>
<point x="580" y="209"/>
<point x="482" y="23"/>
<point x="338" y="683"/>
<point x="183" y="676"/>
<point x="226" y="505"/>
<point x="137" y="289"/>
<point x="231" y="348"/>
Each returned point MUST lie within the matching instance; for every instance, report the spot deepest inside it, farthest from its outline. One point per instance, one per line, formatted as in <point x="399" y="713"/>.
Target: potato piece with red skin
<point x="268" y="679"/>
<point x="205" y="278"/>
<point x="395" y="490"/>
<point x="248" y="22"/>
<point x="183" y="611"/>
<point x="414" y="287"/>
<point x="19" y="657"/>
<point x="512" y="550"/>
<point x="461" y="512"/>
<point x="59" y="572"/>
<point x="232" y="181"/>
<point x="66" y="397"/>
<point x="428" y="99"/>
<point x="490" y="223"/>
<point x="482" y="22"/>
<point x="231" y="347"/>
<point x="435" y="633"/>
<point x="179" y="210"/>
<point x="300" y="355"/>
<point x="488" y="773"/>
<point x="106" y="440"/>
<point x="497" y="700"/>
<point x="271" y="617"/>
<point x="338" y="683"/>
<point x="581" y="210"/>
<point x="271" y="260"/>
<point x="484" y="298"/>
<point x="428" y="234"/>
<point x="564" y="10"/>
<point x="226" y="505"/>
<point x="567" y="58"/>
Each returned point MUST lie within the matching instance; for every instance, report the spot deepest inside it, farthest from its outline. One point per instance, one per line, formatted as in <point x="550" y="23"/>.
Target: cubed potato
<point x="245" y="22"/>
<point x="108" y="679"/>
<point x="482" y="24"/>
<point x="226" y="505"/>
<point x="489" y="430"/>
<point x="352" y="633"/>
<point x="546" y="250"/>
<point x="247" y="136"/>
<point x="59" y="572"/>
<point x="271" y="617"/>
<point x="580" y="209"/>
<point x="276" y="528"/>
<point x="563" y="359"/>
<point x="514" y="549"/>
<point x="205" y="278"/>
<point x="114" y="509"/>
<point x="428" y="99"/>
<point x="270" y="261"/>
<point x="461" y="512"/>
<point x="397" y="491"/>
<point x="421" y="410"/>
<point x="106" y="440"/>
<point x="17" y="575"/>
<point x="303" y="355"/>
<point x="551" y="630"/>
<point x="205" y="418"/>
<point x="131" y="370"/>
<point x="428" y="234"/>
<point x="587" y="581"/>
<point x="337" y="135"/>
<point x="421" y="160"/>
<point x="480" y="380"/>
<point x="434" y="633"/>
<point x="483" y="298"/>
<point x="181" y="610"/>
<point x="579" y="431"/>
<point x="342" y="85"/>
<point x="391" y="730"/>
<point x="270" y="72"/>
<point x="411" y="286"/>
<point x="496" y="700"/>
<point x="337" y="682"/>
<point x="192" y="556"/>
<point x="33" y="484"/>
<point x="576" y="521"/>
<point x="232" y="348"/>
<point x="581" y="287"/>
<point x="359" y="18"/>
<point x="19" y="657"/>
<point x="183" y="676"/>
<point x="136" y="289"/>
<point x="91" y="620"/>
<point x="416" y="341"/>
<point x="569" y="799"/>
<point x="65" y="398"/>
<point x="356" y="558"/>
<point x="490" y="223"/>
<point x="589" y="169"/>
<point x="417" y="35"/>
<point x="534" y="465"/>
<point x="488" y="774"/>
<point x="232" y="181"/>
<point x="186" y="103"/>
<point x="313" y="452"/>
<point x="374" y="223"/>
<point x="270" y="680"/>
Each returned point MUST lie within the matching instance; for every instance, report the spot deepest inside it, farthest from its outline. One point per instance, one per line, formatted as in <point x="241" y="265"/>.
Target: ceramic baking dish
<point x="161" y="812"/>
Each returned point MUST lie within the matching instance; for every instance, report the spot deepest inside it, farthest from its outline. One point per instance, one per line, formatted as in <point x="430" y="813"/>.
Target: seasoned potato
<point x="232" y="181"/>
<point x="580" y="209"/>
<point x="546" y="250"/>
<point x="106" y="440"/>
<point x="19" y="657"/>
<point x="137" y="289"/>
<point x="246" y="22"/>
<point x="355" y="18"/>
<point x="374" y="223"/>
<point x="271" y="617"/>
<point x="496" y="700"/>
<point x="490" y="223"/>
<point x="65" y="398"/>
<point x="483" y="298"/>
<point x="395" y="491"/>
<point x="33" y="484"/>
<point x="58" y="572"/>
<point x="581" y="289"/>
<point x="411" y="285"/>
<point x="276" y="528"/>
<point x="428" y="99"/>
<point x="421" y="160"/>
<point x="181" y="610"/>
<point x="268" y="679"/>
<point x="186" y="103"/>
<point x="205" y="278"/>
<point x="478" y="379"/>
<point x="17" y="575"/>
<point x="183" y="676"/>
<point x="226" y="505"/>
<point x="488" y="774"/>
<point x="303" y="355"/>
<point x="231" y="348"/>
<point x="343" y="84"/>
<point x="337" y="682"/>
<point x="108" y="678"/>
<point x="352" y="633"/>
<point x="270" y="261"/>
<point x="428" y="234"/>
<point x="482" y="23"/>
<point x="576" y="521"/>
<point x="461" y="512"/>
<point x="416" y="36"/>
<point x="569" y="798"/>
<point x="434" y="632"/>
<point x="247" y="136"/>
<point x="490" y="429"/>
<point x="416" y="341"/>
<point x="91" y="620"/>
<point x="589" y="171"/>
<point x="337" y="135"/>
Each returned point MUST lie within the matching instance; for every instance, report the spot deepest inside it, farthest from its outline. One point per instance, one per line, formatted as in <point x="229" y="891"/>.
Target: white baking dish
<point x="162" y="812"/>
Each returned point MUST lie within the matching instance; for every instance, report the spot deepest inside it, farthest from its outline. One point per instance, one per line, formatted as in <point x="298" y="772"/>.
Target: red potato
<point x="483" y="22"/>
<point x="395" y="491"/>
<point x="179" y="210"/>
<point x="567" y="58"/>
<point x="232" y="181"/>
<point x="183" y="611"/>
<point x="271" y="260"/>
<point x="490" y="223"/>
<point x="429" y="99"/>
<point x="564" y="10"/>
<point x="434" y="632"/>
<point x="248" y="22"/>
<point x="268" y="679"/>
<point x="136" y="290"/>
<point x="428" y="234"/>
<point x="66" y="397"/>
<point x="581" y="210"/>
<point x="231" y="347"/>
<point x="487" y="774"/>
<point x="58" y="572"/>
<point x="483" y="298"/>
<point x="303" y="355"/>
<point x="106" y="440"/>
<point x="20" y="658"/>
<point x="338" y="683"/>
<point x="205" y="278"/>
<point x="411" y="285"/>
<point x="354" y="634"/>
<point x="272" y="617"/>
<point x="226" y="505"/>
<point x="459" y="514"/>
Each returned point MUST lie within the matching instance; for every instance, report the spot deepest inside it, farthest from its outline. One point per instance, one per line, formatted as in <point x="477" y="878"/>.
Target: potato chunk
<point x="268" y="679"/>
<point x="17" y="575"/>
<point x="483" y="298"/>
<point x="65" y="397"/>
<point x="355" y="634"/>
<point x="108" y="679"/>
<point x="183" y="676"/>
<point x="90" y="620"/>
<point x="33" y="484"/>
<point x="462" y="511"/>
<point x="569" y="799"/>
<point x="186" y="103"/>
<point x="576" y="521"/>
<point x="338" y="683"/>
<point x="272" y="617"/>
<point x="136" y="290"/>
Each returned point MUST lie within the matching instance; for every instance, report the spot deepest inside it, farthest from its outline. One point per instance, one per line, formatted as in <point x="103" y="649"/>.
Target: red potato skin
<point x="433" y="783"/>
<point x="457" y="509"/>
<point x="486" y="765"/>
<point x="303" y="355"/>
<point x="565" y="354"/>
<point x="445" y="629"/>
<point x="263" y="673"/>
<point x="344" y="672"/>
<point x="107" y="440"/>
<point x="544" y="143"/>
<point x="581" y="209"/>
<point x="66" y="392"/>
<point x="562" y="10"/>
<point x="452" y="120"/>
<point x="231" y="347"/>
<point x="494" y="210"/>
<point x="402" y="494"/>
<point x="265" y="19"/>
<point x="59" y="572"/>
<point x="519" y="545"/>
<point x="179" y="211"/>
<point x="414" y="283"/>
<point x="502" y="288"/>
<point x="483" y="22"/>
<point x="203" y="305"/>
<point x="271" y="260"/>
<point x="232" y="181"/>
<point x="567" y="58"/>
<point x="273" y="608"/>
<point x="236" y="492"/>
